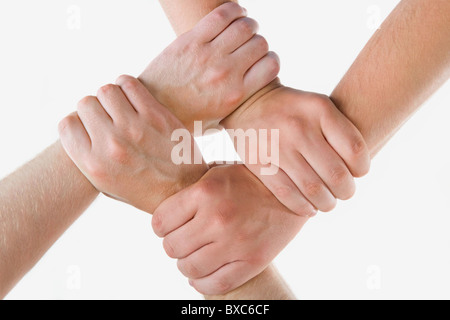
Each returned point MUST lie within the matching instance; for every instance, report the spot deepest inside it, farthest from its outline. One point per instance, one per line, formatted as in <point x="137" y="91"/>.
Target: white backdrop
<point x="390" y="241"/>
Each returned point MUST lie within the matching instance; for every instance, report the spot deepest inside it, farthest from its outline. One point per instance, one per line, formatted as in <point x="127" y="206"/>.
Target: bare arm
<point x="399" y="69"/>
<point x="53" y="191"/>
<point x="37" y="204"/>
<point x="403" y="64"/>
<point x="183" y="16"/>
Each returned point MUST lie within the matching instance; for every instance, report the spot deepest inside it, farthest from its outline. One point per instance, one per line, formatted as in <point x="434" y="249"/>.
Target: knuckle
<point x="338" y="176"/>
<point x="221" y="286"/>
<point x="128" y="83"/>
<point x="106" y="90"/>
<point x="283" y="192"/>
<point x="205" y="189"/>
<point x="322" y="102"/>
<point x="136" y="135"/>
<point x="235" y="97"/>
<point x="96" y="170"/>
<point x="245" y="26"/>
<point x="169" y="248"/>
<point x="85" y="103"/>
<point x="220" y="14"/>
<point x="261" y="43"/>
<point x="66" y="123"/>
<point x="203" y="57"/>
<point x="118" y="152"/>
<point x="273" y="63"/>
<point x="361" y="157"/>
<point x="199" y="191"/>
<point x="358" y="147"/>
<point x="189" y="269"/>
<point x="191" y="47"/>
<point x="218" y="75"/>
<point x="226" y="11"/>
<point x="313" y="189"/>
<point x="258" y="258"/>
<point x="157" y="224"/>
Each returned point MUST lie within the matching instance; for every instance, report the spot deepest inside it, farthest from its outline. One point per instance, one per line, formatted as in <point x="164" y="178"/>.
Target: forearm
<point x="184" y="15"/>
<point x="403" y="64"/>
<point x="37" y="204"/>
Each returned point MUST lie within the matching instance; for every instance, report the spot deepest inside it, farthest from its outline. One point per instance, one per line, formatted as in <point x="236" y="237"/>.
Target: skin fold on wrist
<point x="234" y="119"/>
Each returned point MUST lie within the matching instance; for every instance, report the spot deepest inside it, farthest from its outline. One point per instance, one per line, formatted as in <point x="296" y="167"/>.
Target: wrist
<point x="234" y="120"/>
<point x="186" y="178"/>
<point x="73" y="171"/>
<point x="163" y="95"/>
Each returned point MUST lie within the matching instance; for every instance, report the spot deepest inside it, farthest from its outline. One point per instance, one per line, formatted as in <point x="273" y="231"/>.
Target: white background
<point x="390" y="242"/>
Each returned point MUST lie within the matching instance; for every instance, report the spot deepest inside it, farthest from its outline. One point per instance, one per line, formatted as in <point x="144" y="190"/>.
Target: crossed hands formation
<point x="224" y="223"/>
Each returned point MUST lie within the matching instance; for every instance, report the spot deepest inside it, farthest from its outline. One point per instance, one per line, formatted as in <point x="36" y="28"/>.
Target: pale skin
<point x="314" y="173"/>
<point x="402" y="65"/>
<point x="89" y="162"/>
<point x="244" y="227"/>
<point x="54" y="192"/>
<point x="232" y="72"/>
<point x="99" y="141"/>
<point x="37" y="204"/>
<point x="354" y="99"/>
<point x="231" y="204"/>
<point x="111" y="146"/>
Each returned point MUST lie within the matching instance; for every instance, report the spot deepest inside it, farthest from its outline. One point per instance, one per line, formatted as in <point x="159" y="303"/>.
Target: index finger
<point x="175" y="212"/>
<point x="137" y="94"/>
<point x="218" y="20"/>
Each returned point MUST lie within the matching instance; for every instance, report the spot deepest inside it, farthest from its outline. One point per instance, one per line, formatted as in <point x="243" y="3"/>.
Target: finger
<point x="262" y="73"/>
<point x="284" y="189"/>
<point x="268" y="171"/>
<point x="116" y="103"/>
<point x="309" y="183"/>
<point x="238" y="33"/>
<point x="348" y="142"/>
<point x="94" y="118"/>
<point x="175" y="212"/>
<point x="226" y="279"/>
<point x="187" y="239"/>
<point x="329" y="166"/>
<point x="251" y="52"/>
<point x="137" y="94"/>
<point x="74" y="138"/>
<point x="218" y="20"/>
<point x="203" y="262"/>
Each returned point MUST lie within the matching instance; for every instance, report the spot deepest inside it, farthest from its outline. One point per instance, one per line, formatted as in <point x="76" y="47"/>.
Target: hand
<point x="225" y="229"/>
<point x="121" y="141"/>
<point x="320" y="150"/>
<point x="210" y="71"/>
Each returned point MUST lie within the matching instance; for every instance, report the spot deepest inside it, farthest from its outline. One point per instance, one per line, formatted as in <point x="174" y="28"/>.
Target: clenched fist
<point x="121" y="141"/>
<point x="208" y="72"/>
<point x="319" y="151"/>
<point x="225" y="229"/>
